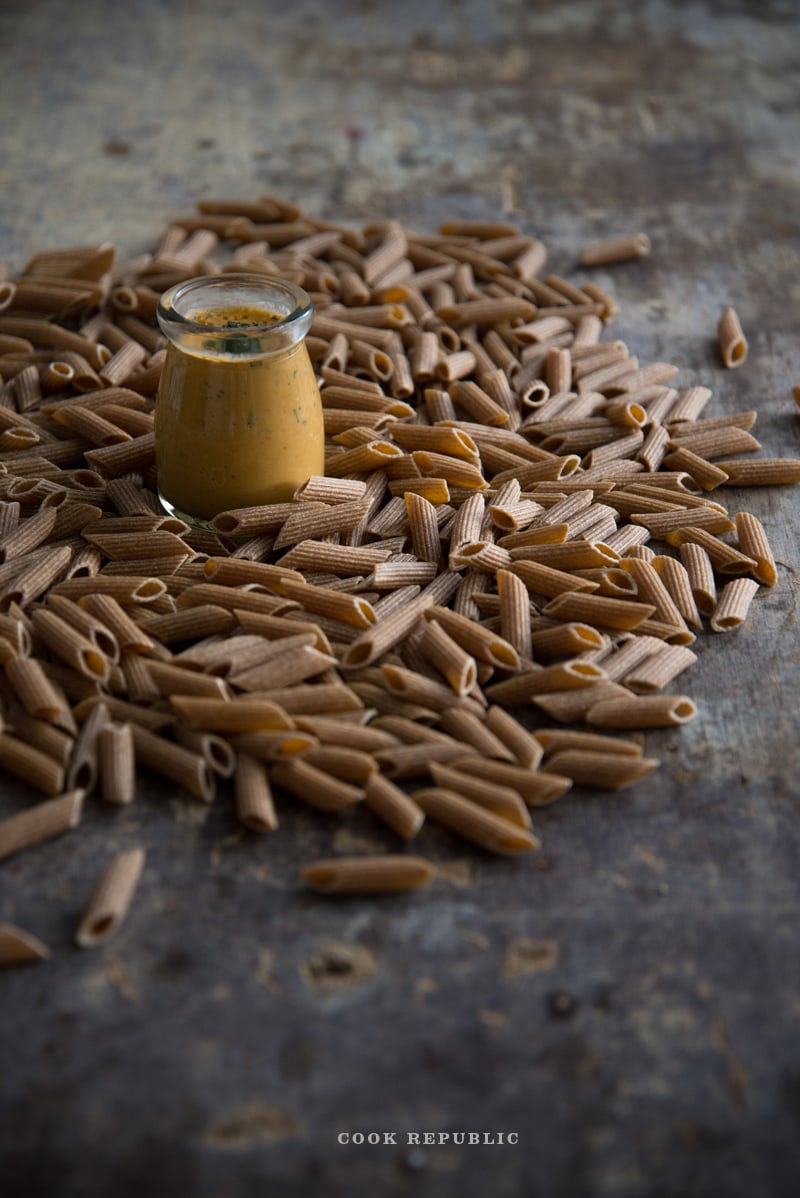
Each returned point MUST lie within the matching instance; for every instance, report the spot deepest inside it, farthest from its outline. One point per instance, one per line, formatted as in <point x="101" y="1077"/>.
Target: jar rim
<point x="168" y="313"/>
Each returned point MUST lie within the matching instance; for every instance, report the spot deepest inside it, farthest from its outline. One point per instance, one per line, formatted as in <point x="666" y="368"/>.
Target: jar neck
<point x="235" y="316"/>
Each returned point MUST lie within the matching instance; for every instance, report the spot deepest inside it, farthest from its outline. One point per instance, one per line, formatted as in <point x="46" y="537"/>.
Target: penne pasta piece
<point x="642" y="711"/>
<point x="761" y="472"/>
<point x="36" y="693"/>
<point x="414" y="760"/>
<point x="615" y="249"/>
<point x="111" y="899"/>
<point x="724" y="558"/>
<point x="620" y="614"/>
<point x="659" y="668"/>
<point x="603" y="770"/>
<point x="189" y="770"/>
<point x="449" y="658"/>
<point x="314" y="786"/>
<point x="379" y="874"/>
<point x="474" y="823"/>
<point x="476" y="640"/>
<point x="255" y="806"/>
<point x="733" y="604"/>
<point x="541" y="680"/>
<point x="243" y="714"/>
<point x="19" y="947"/>
<point x="556" y="740"/>
<point x="515" y="612"/>
<point x="732" y="341"/>
<point x="418" y="688"/>
<point x="83" y="770"/>
<point x="570" y="706"/>
<point x="41" y="822"/>
<point x="518" y="740"/>
<point x="675" y="578"/>
<point x="116" y="761"/>
<point x="536" y="787"/>
<point x="68" y="645"/>
<point x="392" y="806"/>
<point x="501" y="801"/>
<point x="754" y="544"/>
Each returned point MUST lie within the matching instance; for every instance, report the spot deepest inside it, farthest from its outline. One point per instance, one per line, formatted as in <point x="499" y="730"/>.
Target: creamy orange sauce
<point x="234" y="433"/>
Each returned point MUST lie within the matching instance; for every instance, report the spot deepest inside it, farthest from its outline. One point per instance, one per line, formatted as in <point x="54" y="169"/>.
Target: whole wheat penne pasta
<point x="18" y="946"/>
<point x="477" y="403"/>
<point x="34" y="579"/>
<point x="391" y="574"/>
<point x="626" y="655"/>
<point x="523" y="687"/>
<point x="564" y="640"/>
<point x="331" y="730"/>
<point x="423" y="527"/>
<point x="323" y="601"/>
<point x="515" y="611"/>
<point x="314" y="786"/>
<point x="389" y="631"/>
<point x="254" y="802"/>
<point x="418" y="688"/>
<point x="28" y="534"/>
<point x="131" y="546"/>
<point x="379" y="874"/>
<point x="675" y="578"/>
<point x="615" y="249"/>
<point x="126" y="633"/>
<point x="545" y="580"/>
<point x="136" y="454"/>
<point x="129" y="590"/>
<point x="724" y="558"/>
<point x="271" y="746"/>
<point x="449" y="658"/>
<point x="243" y="714"/>
<point x="414" y="760"/>
<point x="733" y="604"/>
<point x="111" y="899"/>
<point x="732" y="341"/>
<point x="606" y="771"/>
<point x="455" y="471"/>
<point x="278" y="628"/>
<point x="622" y="614"/>
<point x="44" y="736"/>
<point x="570" y="706"/>
<point x="659" y="668"/>
<point x="334" y="559"/>
<point x="36" y="693"/>
<point x="474" y="732"/>
<point x="482" y="643"/>
<point x="557" y="740"/>
<point x="343" y="761"/>
<point x="218" y="751"/>
<point x="501" y="801"/>
<point x="537" y="788"/>
<point x="205" y="619"/>
<point x="41" y="822"/>
<point x="313" y="698"/>
<point x="333" y="491"/>
<point x="252" y="521"/>
<point x="116" y="762"/>
<point x="569" y="555"/>
<point x="753" y="543"/>
<point x="761" y="472"/>
<point x="651" y="589"/>
<point x="83" y="767"/>
<point x="69" y="645"/>
<point x="245" y="598"/>
<point x="642" y="711"/>
<point x="287" y="668"/>
<point x="474" y="823"/>
<point x="32" y="764"/>
<point x="393" y="806"/>
<point x="189" y="770"/>
<point x="89" y="424"/>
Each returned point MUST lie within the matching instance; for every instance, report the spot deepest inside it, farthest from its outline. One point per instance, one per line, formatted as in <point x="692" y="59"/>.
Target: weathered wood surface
<point x="629" y="1003"/>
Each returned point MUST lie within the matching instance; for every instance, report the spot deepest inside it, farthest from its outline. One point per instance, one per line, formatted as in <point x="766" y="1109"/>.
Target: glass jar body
<point x="238" y="414"/>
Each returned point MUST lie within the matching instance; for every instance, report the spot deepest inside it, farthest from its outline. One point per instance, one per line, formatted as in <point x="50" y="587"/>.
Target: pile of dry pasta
<point x="516" y="521"/>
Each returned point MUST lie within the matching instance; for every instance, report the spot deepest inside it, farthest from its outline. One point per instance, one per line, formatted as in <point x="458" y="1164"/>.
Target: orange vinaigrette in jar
<point x="238" y="413"/>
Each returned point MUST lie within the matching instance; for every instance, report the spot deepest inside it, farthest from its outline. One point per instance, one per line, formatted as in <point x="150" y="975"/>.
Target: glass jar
<point x="238" y="413"/>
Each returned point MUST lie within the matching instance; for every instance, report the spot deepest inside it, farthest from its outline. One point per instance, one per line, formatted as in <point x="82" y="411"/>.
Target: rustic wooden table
<point x="629" y="1003"/>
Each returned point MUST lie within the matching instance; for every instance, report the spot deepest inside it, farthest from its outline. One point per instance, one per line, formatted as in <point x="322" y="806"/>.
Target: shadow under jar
<point x="238" y="414"/>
